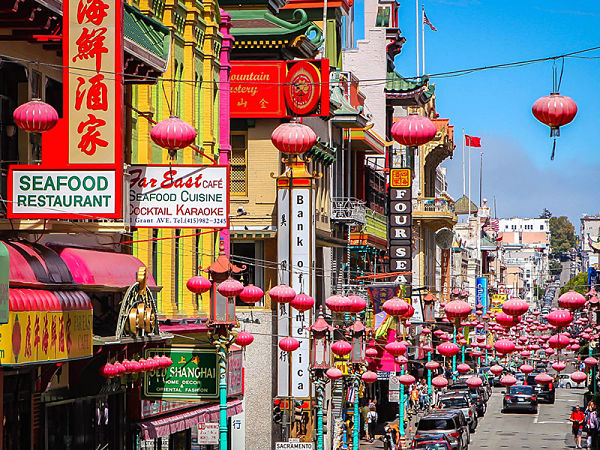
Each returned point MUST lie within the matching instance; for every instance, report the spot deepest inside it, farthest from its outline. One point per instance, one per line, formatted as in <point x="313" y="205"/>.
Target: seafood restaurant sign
<point x="179" y="196"/>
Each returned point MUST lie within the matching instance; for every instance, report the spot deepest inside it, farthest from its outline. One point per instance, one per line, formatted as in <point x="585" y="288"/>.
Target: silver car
<point x="462" y="402"/>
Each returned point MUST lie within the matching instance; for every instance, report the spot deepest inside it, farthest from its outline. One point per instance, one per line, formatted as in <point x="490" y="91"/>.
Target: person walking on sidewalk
<point x="372" y="418"/>
<point x="592" y="426"/>
<point x="577" y="420"/>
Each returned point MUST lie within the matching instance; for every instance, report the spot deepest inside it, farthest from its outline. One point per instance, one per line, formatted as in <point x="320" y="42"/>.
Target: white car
<point x="564" y="380"/>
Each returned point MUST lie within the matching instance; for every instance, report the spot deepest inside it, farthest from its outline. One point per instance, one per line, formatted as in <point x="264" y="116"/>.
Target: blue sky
<point x="496" y="104"/>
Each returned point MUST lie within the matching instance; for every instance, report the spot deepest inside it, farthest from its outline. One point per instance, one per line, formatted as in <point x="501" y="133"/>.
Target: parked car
<point x="520" y="398"/>
<point x="463" y="402"/>
<point x="448" y="423"/>
<point x="545" y="393"/>
<point x="564" y="380"/>
<point x="431" y="442"/>
<point x="479" y="402"/>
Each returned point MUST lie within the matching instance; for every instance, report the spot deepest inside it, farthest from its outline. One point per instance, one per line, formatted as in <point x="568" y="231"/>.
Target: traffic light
<point x="297" y="413"/>
<point x="277" y="413"/>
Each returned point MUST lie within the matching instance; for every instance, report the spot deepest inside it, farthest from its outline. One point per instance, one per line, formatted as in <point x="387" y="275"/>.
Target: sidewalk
<point x="410" y="432"/>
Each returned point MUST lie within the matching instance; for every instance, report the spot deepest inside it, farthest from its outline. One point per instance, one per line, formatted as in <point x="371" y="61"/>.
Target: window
<point x="542" y="227"/>
<point x="239" y="164"/>
<point x="250" y="254"/>
<point x="383" y="16"/>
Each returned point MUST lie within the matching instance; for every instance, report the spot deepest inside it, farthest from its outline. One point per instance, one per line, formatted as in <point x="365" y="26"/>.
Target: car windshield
<point x="436" y="424"/>
<point x="527" y="390"/>
<point x="456" y="402"/>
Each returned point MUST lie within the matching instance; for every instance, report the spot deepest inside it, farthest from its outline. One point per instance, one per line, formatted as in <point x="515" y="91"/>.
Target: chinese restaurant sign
<point x="192" y="376"/>
<point x="87" y="141"/>
<point x="179" y="196"/>
<point x="40" y="336"/>
<point x="279" y="88"/>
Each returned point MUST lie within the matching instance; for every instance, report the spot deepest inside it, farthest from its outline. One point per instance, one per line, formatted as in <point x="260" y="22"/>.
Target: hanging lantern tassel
<point x="553" y="150"/>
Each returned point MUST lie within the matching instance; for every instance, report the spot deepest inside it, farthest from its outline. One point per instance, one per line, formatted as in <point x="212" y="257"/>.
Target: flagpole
<point x="423" y="35"/>
<point x="417" y="30"/>
<point x="469" y="150"/>
<point x="480" y="175"/>
<point x="463" y="161"/>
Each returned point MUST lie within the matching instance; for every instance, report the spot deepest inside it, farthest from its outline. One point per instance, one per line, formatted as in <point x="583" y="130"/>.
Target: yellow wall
<point x="188" y="90"/>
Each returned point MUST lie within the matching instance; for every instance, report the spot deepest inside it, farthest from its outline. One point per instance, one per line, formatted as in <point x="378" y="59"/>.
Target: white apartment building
<point x="526" y="244"/>
<point x="590" y="230"/>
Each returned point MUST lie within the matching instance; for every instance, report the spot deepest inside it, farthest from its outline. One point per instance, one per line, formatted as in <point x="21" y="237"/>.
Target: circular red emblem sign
<point x="303" y="88"/>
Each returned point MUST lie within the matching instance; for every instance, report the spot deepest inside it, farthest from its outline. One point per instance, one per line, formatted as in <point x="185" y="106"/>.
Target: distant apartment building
<point x="590" y="235"/>
<point x="526" y="245"/>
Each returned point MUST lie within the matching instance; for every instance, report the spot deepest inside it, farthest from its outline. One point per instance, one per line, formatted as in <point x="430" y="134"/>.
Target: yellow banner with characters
<point x="497" y="302"/>
<point x="40" y="336"/>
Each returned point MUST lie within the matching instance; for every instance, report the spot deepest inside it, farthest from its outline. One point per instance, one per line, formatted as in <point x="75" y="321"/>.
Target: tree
<point x="555" y="267"/>
<point x="577" y="283"/>
<point x="545" y="214"/>
<point x="562" y="234"/>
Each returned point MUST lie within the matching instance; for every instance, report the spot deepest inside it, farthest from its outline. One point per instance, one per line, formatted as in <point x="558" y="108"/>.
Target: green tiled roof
<point x="146" y="32"/>
<point x="461" y="206"/>
<point x="259" y="24"/>
<point x="396" y="83"/>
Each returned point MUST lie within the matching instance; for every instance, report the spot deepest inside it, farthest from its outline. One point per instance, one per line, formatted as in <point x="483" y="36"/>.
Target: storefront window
<point x="17" y="412"/>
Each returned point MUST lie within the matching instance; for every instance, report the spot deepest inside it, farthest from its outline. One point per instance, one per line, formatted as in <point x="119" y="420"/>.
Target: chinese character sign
<point x="93" y="94"/>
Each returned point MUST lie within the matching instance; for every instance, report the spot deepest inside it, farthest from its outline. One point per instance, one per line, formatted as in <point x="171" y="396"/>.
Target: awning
<point x="180" y="421"/>
<point x="103" y="269"/>
<point x="43" y="300"/>
<point x="35" y="264"/>
<point x="366" y="140"/>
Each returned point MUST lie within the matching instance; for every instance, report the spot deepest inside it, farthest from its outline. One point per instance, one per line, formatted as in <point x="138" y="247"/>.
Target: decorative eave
<point x="322" y="152"/>
<point x="260" y="25"/>
<point x="442" y="146"/>
<point x="365" y="139"/>
<point x="344" y="115"/>
<point x="394" y="47"/>
<point x="402" y="92"/>
<point x="316" y="4"/>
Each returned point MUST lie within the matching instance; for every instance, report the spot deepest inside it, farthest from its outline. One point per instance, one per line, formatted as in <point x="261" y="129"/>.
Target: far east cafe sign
<point x="81" y="172"/>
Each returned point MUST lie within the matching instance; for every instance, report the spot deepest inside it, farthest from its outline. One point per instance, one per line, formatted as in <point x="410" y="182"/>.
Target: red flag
<point x="472" y="141"/>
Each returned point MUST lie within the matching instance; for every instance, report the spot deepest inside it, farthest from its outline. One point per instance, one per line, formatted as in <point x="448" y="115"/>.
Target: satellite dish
<point x="443" y="238"/>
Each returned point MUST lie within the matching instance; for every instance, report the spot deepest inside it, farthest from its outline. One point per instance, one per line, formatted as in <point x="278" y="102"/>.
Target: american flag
<point x="427" y="22"/>
<point x="495" y="224"/>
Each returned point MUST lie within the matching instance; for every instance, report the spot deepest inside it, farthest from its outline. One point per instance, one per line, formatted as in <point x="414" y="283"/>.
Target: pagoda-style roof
<point x="403" y="92"/>
<point x="320" y="324"/>
<point x="260" y="30"/>
<point x="461" y="206"/>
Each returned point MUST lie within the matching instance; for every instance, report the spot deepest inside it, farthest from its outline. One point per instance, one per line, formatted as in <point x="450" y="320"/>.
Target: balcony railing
<point x="434" y="204"/>
<point x="348" y="209"/>
<point x="376" y="224"/>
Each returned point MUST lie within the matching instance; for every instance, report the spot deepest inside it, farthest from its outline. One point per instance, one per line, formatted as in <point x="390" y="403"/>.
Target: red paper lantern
<point x="427" y="348"/>
<point x="496" y="369"/>
<point x="198" y="284"/>
<point x="173" y="133"/>
<point x="282" y="293"/>
<point x="395" y="307"/>
<point x="135" y="366"/>
<point x="230" y="288"/>
<point x="508" y="380"/>
<point x="554" y="110"/>
<point x="108" y="370"/>
<point x="505" y="320"/>
<point x="356" y="304"/>
<point x="396" y="348"/>
<point x="504" y="346"/>
<point x="251" y="294"/>
<point x="120" y="369"/>
<point x="571" y="300"/>
<point x="543" y="378"/>
<point x="474" y="382"/>
<point x="293" y="138"/>
<point x="578" y="377"/>
<point x="128" y="366"/>
<point x="526" y="369"/>
<point x="341" y="348"/>
<point x="432" y="365"/>
<point x="457" y="310"/>
<point x="289" y="344"/>
<point x="302" y="302"/>
<point x="406" y="379"/>
<point x="35" y="116"/>
<point x="333" y="373"/>
<point x="558" y="341"/>
<point x="338" y="303"/>
<point x="448" y="349"/>
<point x="515" y="307"/>
<point x="590" y="361"/>
<point x="371" y="353"/>
<point x="463" y="368"/>
<point x="559" y="366"/>
<point x="167" y="362"/>
<point x="244" y="338"/>
<point x="439" y="382"/>
<point x="413" y="130"/>
<point x="158" y="362"/>
<point x="369" y="377"/>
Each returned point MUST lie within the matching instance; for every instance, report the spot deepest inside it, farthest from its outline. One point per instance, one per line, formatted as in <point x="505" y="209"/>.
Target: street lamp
<point x="320" y="358"/>
<point x="358" y="334"/>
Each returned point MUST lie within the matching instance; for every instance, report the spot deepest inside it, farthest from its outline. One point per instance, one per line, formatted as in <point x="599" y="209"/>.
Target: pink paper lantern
<point x="526" y="369"/>
<point x="413" y="130"/>
<point x="356" y="304"/>
<point x="395" y="307"/>
<point x="432" y="365"/>
<point x="35" y="116"/>
<point x="496" y="369"/>
<point x="302" y="302"/>
<point x="338" y="303"/>
<point x="396" y="348"/>
<point x="578" y="377"/>
<point x="341" y="348"/>
<point x="369" y="377"/>
<point x="559" y="318"/>
<point x="508" y="380"/>
<point x="448" y="349"/>
<point x="515" y="307"/>
<point x="251" y="294"/>
<point x="244" y="338"/>
<point x="543" y="378"/>
<point x="293" y="138"/>
<point x="198" y="284"/>
<point x="463" y="368"/>
<point x="173" y="133"/>
<point x="333" y="373"/>
<point x="289" y="344"/>
<point x="439" y="382"/>
<point x="474" y="382"/>
<point x="282" y="293"/>
<point x="590" y="361"/>
<point x="406" y="379"/>
<point x="559" y="366"/>
<point x="230" y="288"/>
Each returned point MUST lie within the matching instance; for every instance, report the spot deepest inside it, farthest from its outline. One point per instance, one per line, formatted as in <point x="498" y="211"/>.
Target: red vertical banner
<point x="445" y="265"/>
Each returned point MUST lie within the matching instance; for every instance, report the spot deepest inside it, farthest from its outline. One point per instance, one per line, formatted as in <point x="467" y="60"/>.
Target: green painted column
<point x="320" y="394"/>
<point x="356" y="427"/>
<point x="454" y="357"/>
<point x="222" y="355"/>
<point x="429" y="375"/>
<point x="401" y="412"/>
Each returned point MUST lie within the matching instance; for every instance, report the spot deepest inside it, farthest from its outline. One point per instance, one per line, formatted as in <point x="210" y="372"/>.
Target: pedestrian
<point x="592" y="426"/>
<point x="372" y="418"/>
<point x="389" y="440"/>
<point x="364" y="411"/>
<point x="577" y="420"/>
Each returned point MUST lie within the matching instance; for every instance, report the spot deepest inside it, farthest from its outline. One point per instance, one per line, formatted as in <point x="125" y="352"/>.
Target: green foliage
<point x="545" y="214"/>
<point x="555" y="267"/>
<point x="577" y="283"/>
<point x="562" y="234"/>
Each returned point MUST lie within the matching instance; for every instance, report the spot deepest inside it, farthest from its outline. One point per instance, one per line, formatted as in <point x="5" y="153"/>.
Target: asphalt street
<point x="549" y="428"/>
